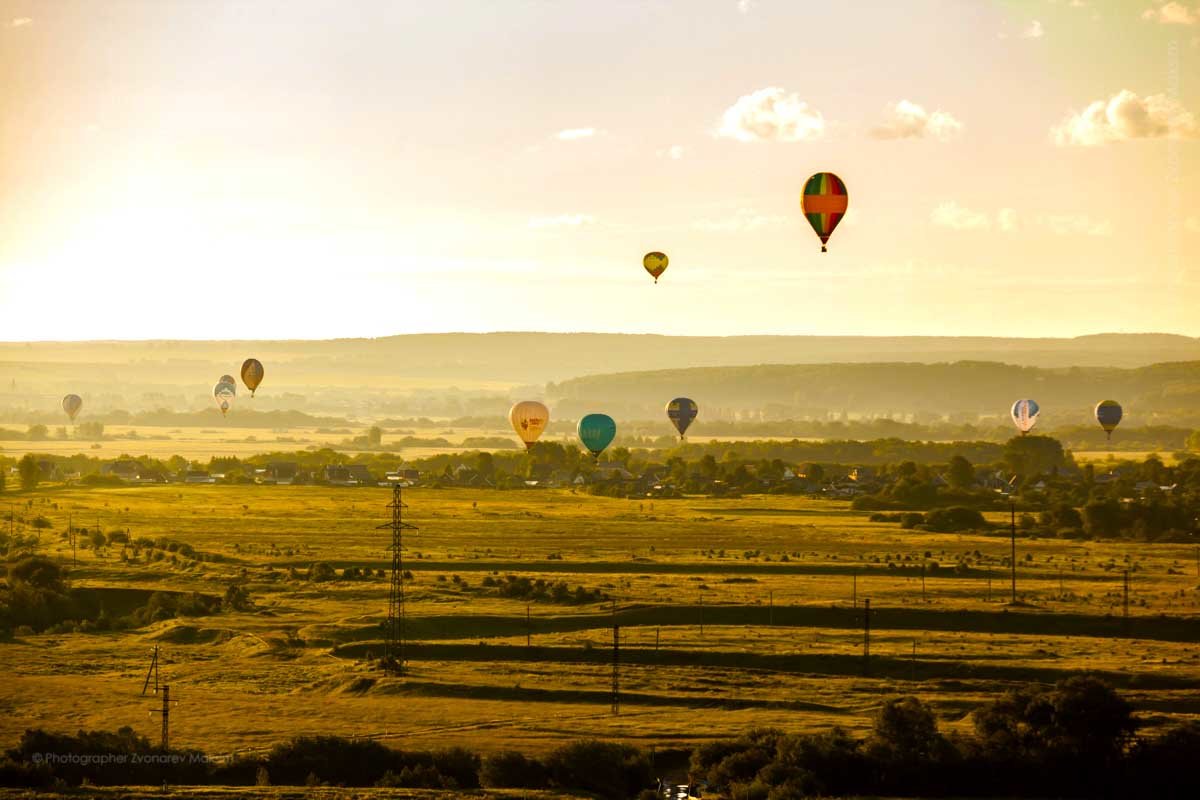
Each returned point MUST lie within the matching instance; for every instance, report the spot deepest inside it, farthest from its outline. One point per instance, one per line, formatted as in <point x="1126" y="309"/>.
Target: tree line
<point x="1078" y="738"/>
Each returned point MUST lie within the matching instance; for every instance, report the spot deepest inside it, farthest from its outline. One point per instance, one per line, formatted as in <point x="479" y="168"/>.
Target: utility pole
<point x="702" y="615"/>
<point x="165" y="711"/>
<point x="914" y="662"/>
<point x="989" y="589"/>
<point x="1013" y="556"/>
<point x="867" y="636"/>
<point x="771" y="607"/>
<point x="71" y="536"/>
<point x="1126" y="602"/>
<point x="657" y="631"/>
<point x="153" y="670"/>
<point x="854" y="590"/>
<point x="923" y="582"/>
<point x="616" y="676"/>
<point x="528" y="627"/>
<point x="394" y="634"/>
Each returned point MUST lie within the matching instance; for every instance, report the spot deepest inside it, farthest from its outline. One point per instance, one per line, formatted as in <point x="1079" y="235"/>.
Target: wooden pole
<point x="866" y="636"/>
<point x="1013" y="556"/>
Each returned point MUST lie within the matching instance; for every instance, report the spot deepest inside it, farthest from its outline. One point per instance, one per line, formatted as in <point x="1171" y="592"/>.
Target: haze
<point x="309" y="169"/>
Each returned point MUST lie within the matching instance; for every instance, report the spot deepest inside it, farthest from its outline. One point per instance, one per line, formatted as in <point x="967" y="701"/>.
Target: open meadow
<point x="733" y="613"/>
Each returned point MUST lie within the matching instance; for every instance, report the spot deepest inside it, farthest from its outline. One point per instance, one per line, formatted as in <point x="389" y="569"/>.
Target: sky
<point x="299" y="169"/>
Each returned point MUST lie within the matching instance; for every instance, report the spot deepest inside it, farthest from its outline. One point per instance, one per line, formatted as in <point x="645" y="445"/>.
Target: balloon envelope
<point x="224" y="393"/>
<point x="682" y="411"/>
<point x="1108" y="414"/>
<point x="655" y="263"/>
<point x="71" y="404"/>
<point x="824" y="203"/>
<point x="1025" y="415"/>
<point x="529" y="418"/>
<point x="252" y="374"/>
<point x="597" y="431"/>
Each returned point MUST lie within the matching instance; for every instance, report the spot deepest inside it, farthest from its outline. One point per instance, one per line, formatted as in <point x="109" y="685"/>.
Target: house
<point x="280" y="473"/>
<point x="349" y="475"/>
<point x="198" y="476"/>
<point x="360" y="475"/>
<point x="126" y="469"/>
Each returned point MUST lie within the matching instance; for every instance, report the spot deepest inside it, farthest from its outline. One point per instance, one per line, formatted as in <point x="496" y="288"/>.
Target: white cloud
<point x="960" y="218"/>
<point x="1034" y="31"/>
<point x="1066" y="224"/>
<point x="1006" y="220"/>
<point x="771" y="115"/>
<point x="907" y="120"/>
<point x="20" y="22"/>
<point x="1172" y="13"/>
<point x="562" y="221"/>
<point x="674" y="152"/>
<point x="744" y="219"/>
<point x="1192" y="224"/>
<point x="571" y="134"/>
<point x="746" y="6"/>
<point x="1126" y="116"/>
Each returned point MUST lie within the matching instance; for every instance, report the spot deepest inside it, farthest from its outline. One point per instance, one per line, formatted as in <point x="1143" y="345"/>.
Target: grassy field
<point x="201" y="444"/>
<point x="733" y="613"/>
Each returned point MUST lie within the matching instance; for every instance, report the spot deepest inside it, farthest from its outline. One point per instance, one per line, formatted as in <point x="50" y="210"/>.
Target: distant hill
<point x="1159" y="393"/>
<point x="401" y="375"/>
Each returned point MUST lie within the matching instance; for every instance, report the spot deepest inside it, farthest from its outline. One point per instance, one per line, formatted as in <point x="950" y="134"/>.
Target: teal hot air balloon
<point x="597" y="431"/>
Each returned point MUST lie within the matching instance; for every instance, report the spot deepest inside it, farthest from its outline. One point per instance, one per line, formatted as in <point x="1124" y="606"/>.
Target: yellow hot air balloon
<point x="252" y="374"/>
<point x="655" y="263"/>
<point x="71" y="404"/>
<point x="529" y="418"/>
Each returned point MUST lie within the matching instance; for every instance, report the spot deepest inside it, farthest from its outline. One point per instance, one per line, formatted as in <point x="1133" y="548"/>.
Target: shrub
<point x="608" y="769"/>
<point x="512" y="770"/>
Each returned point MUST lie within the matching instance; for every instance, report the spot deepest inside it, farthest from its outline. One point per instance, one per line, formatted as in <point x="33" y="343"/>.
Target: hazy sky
<point x="205" y="169"/>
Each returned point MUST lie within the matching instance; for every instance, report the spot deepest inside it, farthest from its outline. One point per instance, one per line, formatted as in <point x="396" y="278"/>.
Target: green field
<point x="733" y="613"/>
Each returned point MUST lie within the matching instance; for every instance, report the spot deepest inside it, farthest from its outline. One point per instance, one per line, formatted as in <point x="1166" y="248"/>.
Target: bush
<point x="512" y="770"/>
<point x="608" y="769"/>
<point x="321" y="572"/>
<point x="954" y="519"/>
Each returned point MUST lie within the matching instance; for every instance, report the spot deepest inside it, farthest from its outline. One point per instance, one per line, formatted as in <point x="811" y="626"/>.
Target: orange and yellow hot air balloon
<point x="824" y="203"/>
<point x="529" y="418"/>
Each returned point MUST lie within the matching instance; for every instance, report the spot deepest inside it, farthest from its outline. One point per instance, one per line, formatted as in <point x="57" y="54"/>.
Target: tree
<point x="485" y="464"/>
<point x="37" y="433"/>
<point x="961" y="474"/>
<point x="1102" y="519"/>
<point x="29" y="471"/>
<point x="1193" y="441"/>
<point x="1034" y="455"/>
<point x="907" y="730"/>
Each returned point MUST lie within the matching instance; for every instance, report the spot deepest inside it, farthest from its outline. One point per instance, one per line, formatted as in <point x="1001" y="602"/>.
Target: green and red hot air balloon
<point x="824" y="203"/>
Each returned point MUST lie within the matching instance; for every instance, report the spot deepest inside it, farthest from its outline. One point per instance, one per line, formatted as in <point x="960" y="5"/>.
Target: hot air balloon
<point x="1025" y="415"/>
<point x="655" y="263"/>
<point x="224" y="393"/>
<point x="824" y="203"/>
<point x="71" y="404"/>
<point x="252" y="374"/>
<point x="529" y="418"/>
<point x="597" y="431"/>
<point x="682" y="412"/>
<point x="1108" y="414"/>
